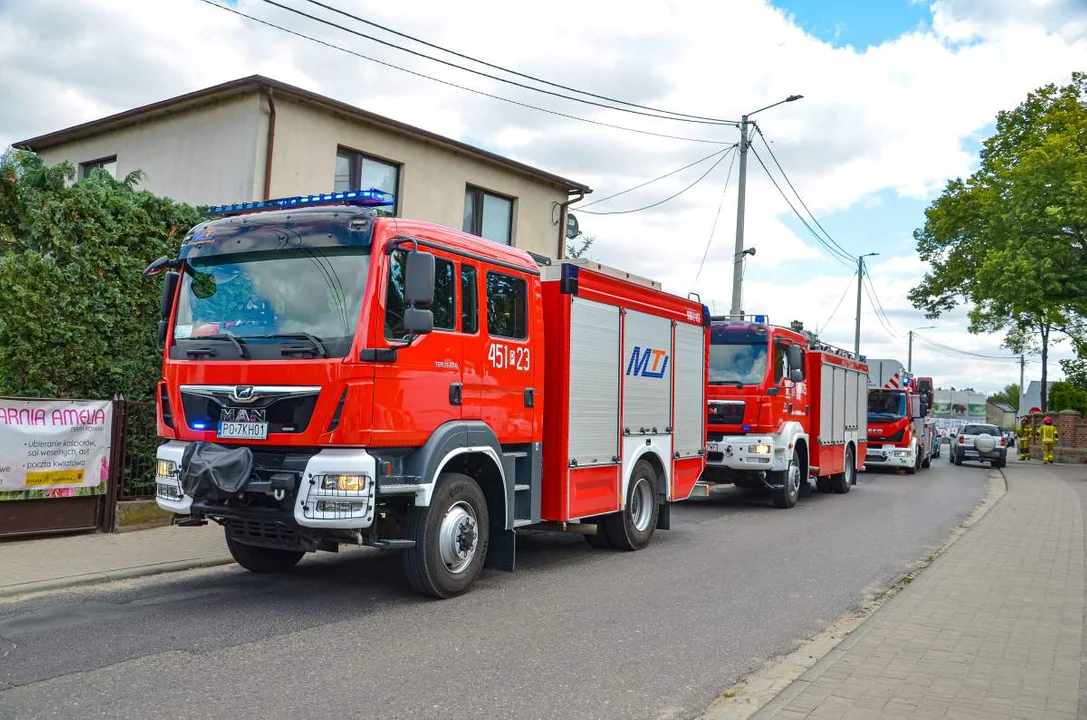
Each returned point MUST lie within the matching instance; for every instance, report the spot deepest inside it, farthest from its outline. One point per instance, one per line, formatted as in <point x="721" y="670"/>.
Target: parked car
<point x="937" y="445"/>
<point x="980" y="443"/>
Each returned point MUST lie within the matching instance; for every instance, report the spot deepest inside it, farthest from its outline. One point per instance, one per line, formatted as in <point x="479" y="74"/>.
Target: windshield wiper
<point x="313" y="340"/>
<point x="238" y="343"/>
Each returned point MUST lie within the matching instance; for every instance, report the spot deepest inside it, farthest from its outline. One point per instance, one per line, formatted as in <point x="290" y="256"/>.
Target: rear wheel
<point x="261" y="559"/>
<point x="451" y="538"/>
<point x="633" y="526"/>
<point x="844" y="481"/>
<point x="789" y="479"/>
<point x="600" y="539"/>
<point x="957" y="459"/>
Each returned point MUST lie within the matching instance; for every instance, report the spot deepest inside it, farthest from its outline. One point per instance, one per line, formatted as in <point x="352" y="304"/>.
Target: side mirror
<point x="157" y="266"/>
<point x="796" y="375"/>
<point x="418" y="322"/>
<point x="419" y="279"/>
<point x="169" y="288"/>
<point x="793" y="353"/>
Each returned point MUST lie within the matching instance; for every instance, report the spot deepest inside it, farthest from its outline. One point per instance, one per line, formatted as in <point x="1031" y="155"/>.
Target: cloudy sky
<point x="898" y="95"/>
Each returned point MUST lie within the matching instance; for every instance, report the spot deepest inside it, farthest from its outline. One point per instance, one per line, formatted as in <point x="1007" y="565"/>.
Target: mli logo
<point x="640" y="361"/>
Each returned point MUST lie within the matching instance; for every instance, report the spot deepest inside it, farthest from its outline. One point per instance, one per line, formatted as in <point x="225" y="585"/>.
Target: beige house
<point x="256" y="138"/>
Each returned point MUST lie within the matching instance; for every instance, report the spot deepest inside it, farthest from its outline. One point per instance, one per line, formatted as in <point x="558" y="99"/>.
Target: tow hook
<point x="279" y="494"/>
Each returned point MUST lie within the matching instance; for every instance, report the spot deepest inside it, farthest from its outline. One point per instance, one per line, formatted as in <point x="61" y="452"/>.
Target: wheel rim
<point x="641" y="504"/>
<point x="850" y="468"/>
<point x="794" y="478"/>
<point x="458" y="537"/>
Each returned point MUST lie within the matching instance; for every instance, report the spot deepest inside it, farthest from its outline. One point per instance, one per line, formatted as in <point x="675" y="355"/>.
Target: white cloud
<point x="889" y="121"/>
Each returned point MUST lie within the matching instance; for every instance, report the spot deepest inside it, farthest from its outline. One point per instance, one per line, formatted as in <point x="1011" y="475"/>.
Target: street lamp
<point x="738" y="258"/>
<point x="909" y="356"/>
<point x="860" y="282"/>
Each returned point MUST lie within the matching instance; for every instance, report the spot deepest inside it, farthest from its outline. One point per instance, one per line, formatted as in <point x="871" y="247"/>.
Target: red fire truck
<point x="901" y="431"/>
<point x="783" y="409"/>
<point x="331" y="376"/>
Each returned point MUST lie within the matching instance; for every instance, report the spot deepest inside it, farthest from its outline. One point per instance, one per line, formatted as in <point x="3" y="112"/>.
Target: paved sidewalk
<point x="52" y="563"/>
<point x="993" y="629"/>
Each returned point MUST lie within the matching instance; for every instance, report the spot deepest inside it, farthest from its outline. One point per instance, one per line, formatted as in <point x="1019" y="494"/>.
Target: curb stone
<point x="779" y="680"/>
<point x="13" y="591"/>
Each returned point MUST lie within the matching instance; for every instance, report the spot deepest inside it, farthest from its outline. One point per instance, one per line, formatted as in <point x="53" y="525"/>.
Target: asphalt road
<point x="574" y="632"/>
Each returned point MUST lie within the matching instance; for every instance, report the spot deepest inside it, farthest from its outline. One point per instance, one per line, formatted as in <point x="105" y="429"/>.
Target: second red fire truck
<point x="784" y="410"/>
<point x="331" y="376"/>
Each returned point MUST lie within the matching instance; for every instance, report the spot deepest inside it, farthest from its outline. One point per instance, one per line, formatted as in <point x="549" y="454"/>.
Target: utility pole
<point x="738" y="256"/>
<point x="909" y="356"/>
<point x="860" y="281"/>
<point x="1022" y="388"/>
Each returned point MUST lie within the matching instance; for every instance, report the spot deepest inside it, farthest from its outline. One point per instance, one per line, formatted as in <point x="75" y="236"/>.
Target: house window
<point x="507" y="314"/>
<point x="109" y="164"/>
<point x="355" y="171"/>
<point x="488" y="215"/>
<point x="445" y="300"/>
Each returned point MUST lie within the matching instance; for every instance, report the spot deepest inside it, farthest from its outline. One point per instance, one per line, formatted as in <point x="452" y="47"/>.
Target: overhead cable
<point x="875" y="309"/>
<point x="834" y="312"/>
<point x="455" y="85"/>
<point x="948" y="348"/>
<point x="659" y="202"/>
<point x="878" y="305"/>
<point x="713" y="228"/>
<point x="662" y="177"/>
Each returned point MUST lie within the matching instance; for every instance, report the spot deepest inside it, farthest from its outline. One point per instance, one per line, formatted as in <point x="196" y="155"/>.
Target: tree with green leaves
<point x="1009" y="395"/>
<point x="1011" y="240"/>
<point x="76" y="319"/>
<point x="578" y="250"/>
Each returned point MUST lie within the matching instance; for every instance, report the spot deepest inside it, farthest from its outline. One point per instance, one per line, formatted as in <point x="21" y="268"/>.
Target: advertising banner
<point x="54" y="448"/>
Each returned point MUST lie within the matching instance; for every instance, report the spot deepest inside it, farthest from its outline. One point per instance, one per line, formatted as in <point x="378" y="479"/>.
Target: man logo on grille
<point x="242" y="393"/>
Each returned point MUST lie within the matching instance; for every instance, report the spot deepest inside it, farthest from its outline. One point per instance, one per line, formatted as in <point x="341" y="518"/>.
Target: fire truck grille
<point x="897" y="437"/>
<point x="287" y="414"/>
<point x="725" y="413"/>
<point x="263" y="534"/>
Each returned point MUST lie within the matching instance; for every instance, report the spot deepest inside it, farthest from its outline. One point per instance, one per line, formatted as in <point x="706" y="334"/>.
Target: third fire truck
<point x="784" y="409"/>
<point x="901" y="431"/>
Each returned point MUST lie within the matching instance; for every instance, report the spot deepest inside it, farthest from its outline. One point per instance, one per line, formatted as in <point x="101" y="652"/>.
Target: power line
<point x="948" y="348"/>
<point x="650" y="182"/>
<point x="848" y="287"/>
<point x="878" y="305"/>
<point x="872" y="301"/>
<point x="766" y="144"/>
<point x="455" y="85"/>
<point x="480" y="73"/>
<point x="660" y="202"/>
<point x="514" y="72"/>
<point x="843" y="258"/>
<point x="716" y="217"/>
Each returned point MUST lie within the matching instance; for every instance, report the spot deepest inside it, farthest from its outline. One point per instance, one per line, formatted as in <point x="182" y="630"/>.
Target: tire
<point x="451" y="538"/>
<point x="926" y="462"/>
<point x="843" y="482"/>
<point x="600" y="539"/>
<point x="789" y="478"/>
<point x="632" y="527"/>
<point x="999" y="463"/>
<point x="261" y="559"/>
<point x="824" y="484"/>
<point x="958" y="460"/>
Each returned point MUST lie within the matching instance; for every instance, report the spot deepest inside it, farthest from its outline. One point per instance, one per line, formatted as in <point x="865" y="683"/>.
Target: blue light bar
<point x="365" y="198"/>
<point x="761" y="319"/>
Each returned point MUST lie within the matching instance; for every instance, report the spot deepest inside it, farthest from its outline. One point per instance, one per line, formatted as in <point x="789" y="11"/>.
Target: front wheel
<point x="261" y="559"/>
<point x="844" y="481"/>
<point x="633" y="526"/>
<point x="451" y="538"/>
<point x="789" y="480"/>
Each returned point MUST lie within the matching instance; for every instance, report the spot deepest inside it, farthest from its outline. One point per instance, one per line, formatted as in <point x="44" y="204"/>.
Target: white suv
<point x="980" y="443"/>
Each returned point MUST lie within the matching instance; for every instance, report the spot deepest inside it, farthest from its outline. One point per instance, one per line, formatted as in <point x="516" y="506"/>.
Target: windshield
<point x="885" y="406"/>
<point x="981" y="430"/>
<point x="737" y="363"/>
<point x="315" y="291"/>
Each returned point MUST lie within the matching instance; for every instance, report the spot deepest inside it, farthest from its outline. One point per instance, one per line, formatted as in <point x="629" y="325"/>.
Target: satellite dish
<point x="572" y="229"/>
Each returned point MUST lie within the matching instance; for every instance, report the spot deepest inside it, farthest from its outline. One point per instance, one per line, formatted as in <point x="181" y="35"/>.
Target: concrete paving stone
<point x="897" y="708"/>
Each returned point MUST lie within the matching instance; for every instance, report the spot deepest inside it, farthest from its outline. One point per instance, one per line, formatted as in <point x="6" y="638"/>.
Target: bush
<point x="77" y="320"/>
<point x="1066" y="396"/>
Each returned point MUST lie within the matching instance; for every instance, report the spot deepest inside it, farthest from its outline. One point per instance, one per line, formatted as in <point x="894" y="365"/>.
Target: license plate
<point x="243" y="431"/>
<point x="713" y="446"/>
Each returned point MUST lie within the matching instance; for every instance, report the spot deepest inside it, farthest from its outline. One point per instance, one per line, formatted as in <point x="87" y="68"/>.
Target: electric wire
<point x="662" y="177"/>
<point x="766" y="144"/>
<point x="948" y="348"/>
<point x="879" y="306"/>
<point x="489" y="76"/>
<point x="526" y="76"/>
<point x="699" y="179"/>
<point x="448" y="83"/>
<point x="837" y="254"/>
<point x="819" y="330"/>
<point x="713" y="228"/>
<point x="879" y="317"/>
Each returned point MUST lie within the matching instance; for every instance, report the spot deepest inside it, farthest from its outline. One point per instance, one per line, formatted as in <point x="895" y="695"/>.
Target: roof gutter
<point x="563" y="211"/>
<point x="269" y="144"/>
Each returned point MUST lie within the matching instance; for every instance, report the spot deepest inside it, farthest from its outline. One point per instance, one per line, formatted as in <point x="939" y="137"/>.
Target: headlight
<point x="166" y="469"/>
<point x="902" y="453"/>
<point x="168" y="491"/>
<point x="344" y="483"/>
<point x="761" y="449"/>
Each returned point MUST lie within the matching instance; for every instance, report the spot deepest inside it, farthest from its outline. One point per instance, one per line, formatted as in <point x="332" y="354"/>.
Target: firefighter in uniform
<point x="1049" y="436"/>
<point x="1023" y="435"/>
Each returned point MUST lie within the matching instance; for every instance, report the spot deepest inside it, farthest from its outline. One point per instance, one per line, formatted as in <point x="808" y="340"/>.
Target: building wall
<point x="432" y="178"/>
<point x="999" y="417"/>
<point x="205" y="155"/>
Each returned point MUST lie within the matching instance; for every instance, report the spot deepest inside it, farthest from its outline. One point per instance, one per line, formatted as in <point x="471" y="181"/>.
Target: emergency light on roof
<point x="364" y="198"/>
<point x="761" y="319"/>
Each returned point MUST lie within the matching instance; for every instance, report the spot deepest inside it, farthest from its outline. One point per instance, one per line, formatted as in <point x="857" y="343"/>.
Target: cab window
<point x="507" y="306"/>
<point x="469" y="300"/>
<point x="445" y="299"/>
<point x="782" y="369"/>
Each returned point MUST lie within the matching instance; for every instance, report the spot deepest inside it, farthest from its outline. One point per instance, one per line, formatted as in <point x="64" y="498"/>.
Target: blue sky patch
<point x="860" y="23"/>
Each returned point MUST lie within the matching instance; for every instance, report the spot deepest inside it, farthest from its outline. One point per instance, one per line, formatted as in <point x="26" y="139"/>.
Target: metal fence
<point x="139" y="441"/>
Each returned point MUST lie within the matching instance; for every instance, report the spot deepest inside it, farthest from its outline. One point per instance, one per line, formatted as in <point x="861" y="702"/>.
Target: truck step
<point x="520" y="486"/>
<point x="515" y="454"/>
<point x="521" y="522"/>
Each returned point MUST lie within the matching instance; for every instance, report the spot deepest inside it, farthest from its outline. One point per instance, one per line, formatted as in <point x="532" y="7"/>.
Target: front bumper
<point x="744" y="452"/>
<point x="313" y="506"/>
<point x="889" y="456"/>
